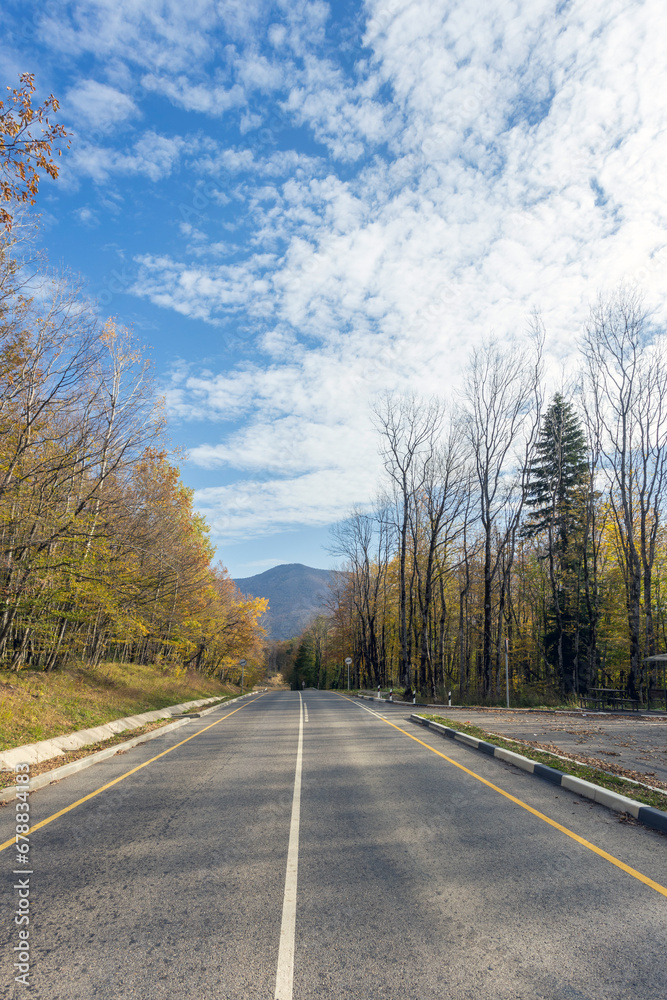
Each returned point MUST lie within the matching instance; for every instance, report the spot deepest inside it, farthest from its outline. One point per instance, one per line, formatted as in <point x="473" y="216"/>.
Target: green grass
<point x="37" y="706"/>
<point x="611" y="781"/>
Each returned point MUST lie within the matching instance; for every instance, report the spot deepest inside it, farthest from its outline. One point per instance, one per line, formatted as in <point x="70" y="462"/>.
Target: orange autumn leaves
<point x="27" y="141"/>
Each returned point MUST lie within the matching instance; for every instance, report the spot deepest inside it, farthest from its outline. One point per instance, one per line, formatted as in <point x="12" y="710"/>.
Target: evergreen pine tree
<point x="305" y="665"/>
<point x="555" y="499"/>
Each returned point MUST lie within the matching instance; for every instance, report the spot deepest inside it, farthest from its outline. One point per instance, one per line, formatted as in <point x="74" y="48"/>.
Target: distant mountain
<point x="296" y="596"/>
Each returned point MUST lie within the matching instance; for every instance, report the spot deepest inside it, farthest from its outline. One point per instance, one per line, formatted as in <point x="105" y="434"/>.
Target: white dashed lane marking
<point x="285" y="973"/>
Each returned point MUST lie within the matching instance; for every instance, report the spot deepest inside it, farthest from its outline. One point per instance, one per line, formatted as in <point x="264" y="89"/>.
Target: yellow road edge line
<point x="524" y="805"/>
<point x="91" y="795"/>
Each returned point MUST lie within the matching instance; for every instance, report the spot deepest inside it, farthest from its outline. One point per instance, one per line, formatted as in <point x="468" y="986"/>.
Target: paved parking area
<point x="632" y="745"/>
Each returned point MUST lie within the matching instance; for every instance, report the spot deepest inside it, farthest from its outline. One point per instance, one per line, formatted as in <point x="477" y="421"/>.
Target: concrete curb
<point x="35" y="753"/>
<point x="576" y="713"/>
<point x="41" y="780"/>
<point x="397" y="701"/>
<point x="654" y="818"/>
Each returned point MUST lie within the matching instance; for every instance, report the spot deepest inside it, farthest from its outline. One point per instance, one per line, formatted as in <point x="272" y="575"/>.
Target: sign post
<point x="242" y="664"/>
<point x="348" y="660"/>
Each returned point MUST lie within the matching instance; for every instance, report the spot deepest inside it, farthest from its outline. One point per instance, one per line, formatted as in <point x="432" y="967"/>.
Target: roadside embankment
<point x="63" y="763"/>
<point x="35" y="706"/>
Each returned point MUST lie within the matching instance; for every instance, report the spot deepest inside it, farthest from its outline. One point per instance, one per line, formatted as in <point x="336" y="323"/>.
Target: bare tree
<point x="436" y="521"/>
<point x="626" y="383"/>
<point x="364" y="540"/>
<point x="466" y="555"/>
<point x="502" y="396"/>
<point x="409" y="428"/>
<point x="595" y="523"/>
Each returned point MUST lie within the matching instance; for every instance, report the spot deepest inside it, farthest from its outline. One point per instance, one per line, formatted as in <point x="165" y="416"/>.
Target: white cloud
<point x="256" y="72"/>
<point x="200" y="292"/>
<point x="205" y="97"/>
<point x="344" y="118"/>
<point x="470" y="162"/>
<point x="170" y="35"/>
<point x="87" y="217"/>
<point x="98" y="106"/>
<point x="249" y="122"/>
<point x="277" y="34"/>
<point x="152" y="155"/>
<point x="250" y="508"/>
<point x="525" y="174"/>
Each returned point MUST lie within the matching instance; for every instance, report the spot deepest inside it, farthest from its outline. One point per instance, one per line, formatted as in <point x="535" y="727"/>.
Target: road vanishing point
<point x="303" y="846"/>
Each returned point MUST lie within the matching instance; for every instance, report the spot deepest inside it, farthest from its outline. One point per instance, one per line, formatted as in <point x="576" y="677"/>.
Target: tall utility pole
<point x="507" y="672"/>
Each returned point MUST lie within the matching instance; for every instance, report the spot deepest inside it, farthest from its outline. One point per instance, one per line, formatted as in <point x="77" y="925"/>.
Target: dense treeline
<point x="507" y="521"/>
<point x="101" y="552"/>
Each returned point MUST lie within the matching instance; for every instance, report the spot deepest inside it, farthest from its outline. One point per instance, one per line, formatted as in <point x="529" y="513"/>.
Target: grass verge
<point x="37" y="706"/>
<point x="611" y="781"/>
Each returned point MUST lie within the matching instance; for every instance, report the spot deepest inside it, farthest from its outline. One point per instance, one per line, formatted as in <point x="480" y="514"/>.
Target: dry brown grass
<point x="36" y="706"/>
<point x="7" y="777"/>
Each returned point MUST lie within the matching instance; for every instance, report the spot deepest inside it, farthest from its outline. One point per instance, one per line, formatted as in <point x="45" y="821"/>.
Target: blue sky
<point x="301" y="205"/>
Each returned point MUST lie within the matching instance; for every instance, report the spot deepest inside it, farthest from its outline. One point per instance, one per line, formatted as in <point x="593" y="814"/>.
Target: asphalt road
<point x="415" y="878"/>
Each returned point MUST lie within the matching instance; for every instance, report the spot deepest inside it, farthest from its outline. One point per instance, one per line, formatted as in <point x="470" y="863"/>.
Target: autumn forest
<point x="103" y="555"/>
<point x="513" y="529"/>
<point x="518" y="530"/>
